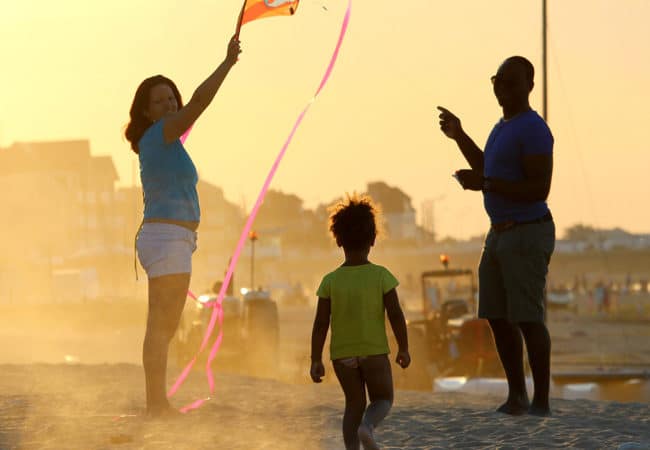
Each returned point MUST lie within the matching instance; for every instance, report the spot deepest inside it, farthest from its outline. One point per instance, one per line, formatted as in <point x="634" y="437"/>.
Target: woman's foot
<point x="164" y="411"/>
<point x="366" y="437"/>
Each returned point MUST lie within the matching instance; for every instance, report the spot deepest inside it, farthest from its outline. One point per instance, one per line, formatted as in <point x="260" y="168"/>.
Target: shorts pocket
<point x="150" y="251"/>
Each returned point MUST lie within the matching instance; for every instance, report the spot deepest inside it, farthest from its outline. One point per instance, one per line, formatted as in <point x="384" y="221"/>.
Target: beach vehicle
<point x="260" y="332"/>
<point x="250" y="331"/>
<point x="194" y="323"/>
<point x="447" y="339"/>
<point x="560" y="299"/>
<point x="288" y="294"/>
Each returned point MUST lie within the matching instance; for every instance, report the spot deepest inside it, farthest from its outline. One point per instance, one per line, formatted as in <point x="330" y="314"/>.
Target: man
<point x="514" y="174"/>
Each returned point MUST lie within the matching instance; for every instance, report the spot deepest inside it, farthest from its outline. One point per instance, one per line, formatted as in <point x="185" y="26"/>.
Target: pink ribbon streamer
<point x="217" y="313"/>
<point x="186" y="134"/>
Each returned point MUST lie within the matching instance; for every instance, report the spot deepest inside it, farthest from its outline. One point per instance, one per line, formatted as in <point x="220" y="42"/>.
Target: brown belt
<point x="503" y="226"/>
<point x="192" y="226"/>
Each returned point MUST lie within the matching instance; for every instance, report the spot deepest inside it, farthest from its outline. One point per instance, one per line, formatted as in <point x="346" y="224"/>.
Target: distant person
<point x="628" y="284"/>
<point x="216" y="287"/>
<point x="514" y="173"/>
<point x="434" y="296"/>
<point x="230" y="289"/>
<point x="355" y="296"/>
<point x="599" y="296"/>
<point x="607" y="297"/>
<point x="167" y="236"/>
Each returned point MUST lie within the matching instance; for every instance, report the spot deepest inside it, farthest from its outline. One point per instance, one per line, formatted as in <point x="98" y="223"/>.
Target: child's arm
<point x="398" y="324"/>
<point x="318" y="336"/>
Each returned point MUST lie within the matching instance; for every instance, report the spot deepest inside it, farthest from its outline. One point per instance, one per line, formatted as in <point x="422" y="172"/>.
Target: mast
<point x="544" y="64"/>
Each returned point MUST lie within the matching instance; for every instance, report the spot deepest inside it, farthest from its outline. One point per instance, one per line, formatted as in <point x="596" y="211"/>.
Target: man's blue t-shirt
<point x="509" y="141"/>
<point x="168" y="178"/>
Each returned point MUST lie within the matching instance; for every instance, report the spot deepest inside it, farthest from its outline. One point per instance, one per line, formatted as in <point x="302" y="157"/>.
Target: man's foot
<point x="365" y="436"/>
<point x="514" y="407"/>
<point x="539" y="410"/>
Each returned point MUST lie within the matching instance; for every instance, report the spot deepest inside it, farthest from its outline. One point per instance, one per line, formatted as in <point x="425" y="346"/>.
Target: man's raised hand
<point x="449" y="123"/>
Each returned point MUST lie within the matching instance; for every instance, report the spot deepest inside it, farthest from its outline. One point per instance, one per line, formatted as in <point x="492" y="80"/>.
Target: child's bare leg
<point x="379" y="381"/>
<point x="349" y="376"/>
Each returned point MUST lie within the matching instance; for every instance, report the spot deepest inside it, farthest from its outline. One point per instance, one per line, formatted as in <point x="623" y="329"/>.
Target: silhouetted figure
<point x="355" y="296"/>
<point x="514" y="173"/>
<point x="230" y="289"/>
<point x="628" y="283"/>
<point x="216" y="287"/>
<point x="167" y="237"/>
<point x="600" y="293"/>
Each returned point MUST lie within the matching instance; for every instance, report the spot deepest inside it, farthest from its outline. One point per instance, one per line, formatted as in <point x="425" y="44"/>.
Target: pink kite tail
<point x="251" y="218"/>
<point x="186" y="134"/>
<point x="330" y="67"/>
<point x="186" y="371"/>
<point x="181" y="377"/>
<point x="194" y="405"/>
<point x="208" y="364"/>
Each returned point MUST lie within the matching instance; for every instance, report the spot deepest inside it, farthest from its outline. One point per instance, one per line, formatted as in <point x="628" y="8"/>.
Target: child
<point x="355" y="296"/>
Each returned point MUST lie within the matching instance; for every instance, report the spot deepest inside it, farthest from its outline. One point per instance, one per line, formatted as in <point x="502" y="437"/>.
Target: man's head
<point x="513" y="83"/>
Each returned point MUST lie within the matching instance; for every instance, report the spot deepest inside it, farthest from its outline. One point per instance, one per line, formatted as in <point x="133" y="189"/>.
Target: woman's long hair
<point x="139" y="122"/>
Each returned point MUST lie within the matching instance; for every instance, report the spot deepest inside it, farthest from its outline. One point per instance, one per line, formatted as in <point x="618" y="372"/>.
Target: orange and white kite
<point x="258" y="9"/>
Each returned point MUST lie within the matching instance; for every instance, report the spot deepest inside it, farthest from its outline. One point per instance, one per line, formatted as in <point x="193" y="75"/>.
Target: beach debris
<point x="121" y="438"/>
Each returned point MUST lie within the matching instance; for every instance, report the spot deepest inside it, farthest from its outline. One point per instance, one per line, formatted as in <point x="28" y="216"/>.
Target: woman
<point x="167" y="237"/>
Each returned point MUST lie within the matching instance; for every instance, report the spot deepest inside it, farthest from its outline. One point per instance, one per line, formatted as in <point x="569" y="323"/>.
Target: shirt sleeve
<point x="537" y="138"/>
<point x="324" y="288"/>
<point x="388" y="281"/>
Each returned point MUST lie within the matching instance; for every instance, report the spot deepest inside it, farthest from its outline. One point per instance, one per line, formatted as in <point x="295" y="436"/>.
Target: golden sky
<point x="70" y="69"/>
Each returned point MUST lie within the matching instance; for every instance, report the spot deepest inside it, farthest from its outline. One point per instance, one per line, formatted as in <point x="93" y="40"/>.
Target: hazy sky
<point x="70" y="69"/>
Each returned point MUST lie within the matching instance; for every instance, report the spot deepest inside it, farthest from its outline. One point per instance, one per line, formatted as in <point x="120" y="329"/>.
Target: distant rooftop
<point x="72" y="155"/>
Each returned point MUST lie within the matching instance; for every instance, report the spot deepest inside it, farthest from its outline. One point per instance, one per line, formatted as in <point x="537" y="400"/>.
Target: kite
<point x="258" y="9"/>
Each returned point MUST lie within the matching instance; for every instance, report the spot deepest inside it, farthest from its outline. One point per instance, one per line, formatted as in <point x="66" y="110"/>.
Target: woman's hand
<point x="234" y="49"/>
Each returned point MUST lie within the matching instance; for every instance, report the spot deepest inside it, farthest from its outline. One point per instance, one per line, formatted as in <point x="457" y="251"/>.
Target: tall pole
<point x="253" y="237"/>
<point x="252" y="265"/>
<point x="544" y="64"/>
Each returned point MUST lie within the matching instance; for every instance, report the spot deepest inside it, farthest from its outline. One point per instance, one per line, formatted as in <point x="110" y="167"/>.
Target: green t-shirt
<point x="358" y="324"/>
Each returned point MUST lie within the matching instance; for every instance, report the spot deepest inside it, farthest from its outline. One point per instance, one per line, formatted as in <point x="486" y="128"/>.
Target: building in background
<point x="399" y="214"/>
<point x="58" y="201"/>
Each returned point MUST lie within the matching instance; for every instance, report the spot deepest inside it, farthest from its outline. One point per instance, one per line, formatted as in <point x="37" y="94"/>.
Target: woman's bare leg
<point x="167" y="296"/>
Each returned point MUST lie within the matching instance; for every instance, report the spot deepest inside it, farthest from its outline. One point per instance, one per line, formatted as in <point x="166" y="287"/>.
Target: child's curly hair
<point x="355" y="222"/>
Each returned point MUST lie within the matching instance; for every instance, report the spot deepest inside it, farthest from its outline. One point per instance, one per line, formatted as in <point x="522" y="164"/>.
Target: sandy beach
<point x="70" y="378"/>
<point x="80" y="407"/>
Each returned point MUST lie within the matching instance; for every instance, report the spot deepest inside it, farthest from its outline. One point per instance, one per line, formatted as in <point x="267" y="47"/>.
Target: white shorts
<point x="165" y="249"/>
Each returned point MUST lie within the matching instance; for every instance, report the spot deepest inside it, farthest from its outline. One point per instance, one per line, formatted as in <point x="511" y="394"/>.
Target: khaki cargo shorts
<point x="512" y="272"/>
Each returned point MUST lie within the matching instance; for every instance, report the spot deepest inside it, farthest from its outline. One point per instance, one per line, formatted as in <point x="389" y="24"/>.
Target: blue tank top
<point x="168" y="178"/>
<point x="525" y="134"/>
